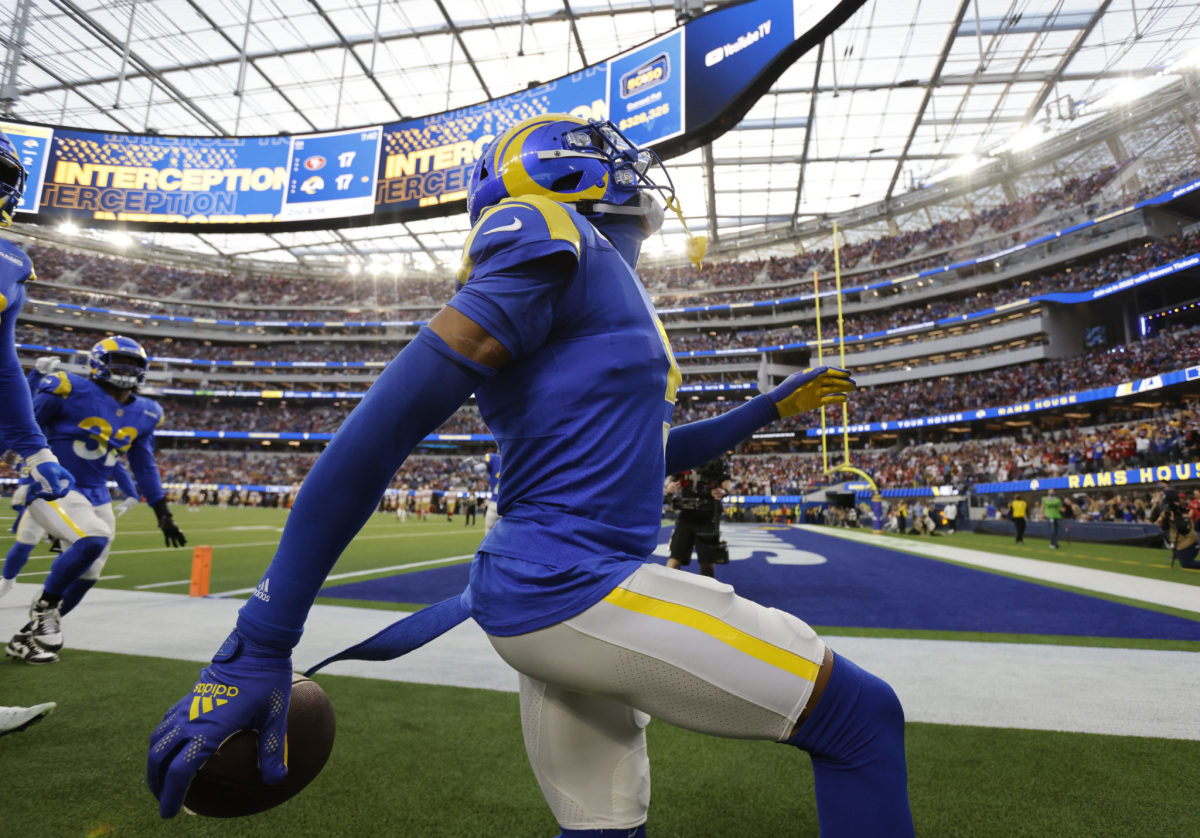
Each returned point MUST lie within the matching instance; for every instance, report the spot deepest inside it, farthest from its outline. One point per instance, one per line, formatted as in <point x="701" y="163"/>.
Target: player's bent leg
<point x="683" y="648"/>
<point x="610" y="788"/>
<point x="855" y="736"/>
<point x="688" y="650"/>
<point x="28" y="533"/>
<point x="74" y="520"/>
<point x="78" y="589"/>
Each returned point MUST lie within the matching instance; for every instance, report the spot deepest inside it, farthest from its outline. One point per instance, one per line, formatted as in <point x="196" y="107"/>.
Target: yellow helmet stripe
<point x="110" y="345"/>
<point x="511" y="167"/>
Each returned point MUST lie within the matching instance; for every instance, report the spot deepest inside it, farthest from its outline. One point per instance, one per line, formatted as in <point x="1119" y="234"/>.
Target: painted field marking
<point x="370" y="572"/>
<point x="275" y="542"/>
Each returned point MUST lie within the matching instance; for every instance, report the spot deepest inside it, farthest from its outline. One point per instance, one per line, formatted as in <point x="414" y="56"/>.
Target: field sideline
<point x="430" y="760"/>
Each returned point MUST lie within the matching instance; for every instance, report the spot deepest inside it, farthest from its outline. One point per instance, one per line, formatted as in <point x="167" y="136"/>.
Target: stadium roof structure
<point x="908" y="97"/>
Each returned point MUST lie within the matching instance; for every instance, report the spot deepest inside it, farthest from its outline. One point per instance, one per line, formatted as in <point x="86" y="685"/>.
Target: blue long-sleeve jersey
<point x="18" y="428"/>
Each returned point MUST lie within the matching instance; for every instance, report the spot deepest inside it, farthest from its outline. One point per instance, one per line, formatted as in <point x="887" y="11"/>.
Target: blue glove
<point x="810" y="389"/>
<point x="247" y="687"/>
<point x="52" y="480"/>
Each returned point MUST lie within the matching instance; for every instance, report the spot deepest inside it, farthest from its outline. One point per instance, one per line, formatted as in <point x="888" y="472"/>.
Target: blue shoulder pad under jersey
<point x="515" y="231"/>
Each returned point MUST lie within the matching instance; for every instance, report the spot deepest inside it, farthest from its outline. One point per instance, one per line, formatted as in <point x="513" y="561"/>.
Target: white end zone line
<point x="1157" y="591"/>
<point x="273" y="543"/>
<point x="351" y="574"/>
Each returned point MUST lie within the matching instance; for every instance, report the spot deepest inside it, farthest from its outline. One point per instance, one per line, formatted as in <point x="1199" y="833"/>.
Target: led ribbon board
<point x="676" y="92"/>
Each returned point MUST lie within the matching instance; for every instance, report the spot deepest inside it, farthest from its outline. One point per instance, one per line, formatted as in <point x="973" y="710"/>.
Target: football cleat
<point x="120" y="361"/>
<point x="6" y="585"/>
<point x="45" y="625"/>
<point x="15" y="719"/>
<point x="22" y="648"/>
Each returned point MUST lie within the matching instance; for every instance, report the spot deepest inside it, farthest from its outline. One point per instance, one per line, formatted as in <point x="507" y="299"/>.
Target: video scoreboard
<point x="673" y="93"/>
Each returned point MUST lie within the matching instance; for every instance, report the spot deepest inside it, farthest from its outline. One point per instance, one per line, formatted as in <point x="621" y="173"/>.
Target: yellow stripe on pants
<point x="717" y="629"/>
<point x="54" y="505"/>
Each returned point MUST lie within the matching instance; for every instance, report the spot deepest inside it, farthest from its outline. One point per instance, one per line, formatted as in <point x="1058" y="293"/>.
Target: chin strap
<point x="696" y="245"/>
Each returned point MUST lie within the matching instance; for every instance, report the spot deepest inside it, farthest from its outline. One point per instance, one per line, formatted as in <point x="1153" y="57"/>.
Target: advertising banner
<point x="676" y="91"/>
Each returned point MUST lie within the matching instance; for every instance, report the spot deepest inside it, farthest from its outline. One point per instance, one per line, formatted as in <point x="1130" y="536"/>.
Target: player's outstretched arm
<point x="418" y="391"/>
<point x="18" y="426"/>
<point x="690" y="445"/>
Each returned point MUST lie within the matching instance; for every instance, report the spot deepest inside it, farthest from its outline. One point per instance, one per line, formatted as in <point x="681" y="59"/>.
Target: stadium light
<point x="353" y="268"/>
<point x="121" y="240"/>
<point x="961" y="166"/>
<point x="1027" y="137"/>
<point x="68" y="228"/>
<point x="1124" y="93"/>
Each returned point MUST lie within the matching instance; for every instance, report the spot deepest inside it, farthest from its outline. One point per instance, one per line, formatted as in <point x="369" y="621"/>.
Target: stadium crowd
<point x="1102" y="271"/>
<point x="87" y="278"/>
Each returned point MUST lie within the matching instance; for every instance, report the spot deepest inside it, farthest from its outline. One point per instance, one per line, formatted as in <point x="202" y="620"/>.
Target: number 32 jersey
<point x="88" y="430"/>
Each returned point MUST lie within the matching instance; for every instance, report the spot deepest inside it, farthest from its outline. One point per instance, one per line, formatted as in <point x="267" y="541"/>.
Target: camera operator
<point x="696" y="497"/>
<point x="1181" y="532"/>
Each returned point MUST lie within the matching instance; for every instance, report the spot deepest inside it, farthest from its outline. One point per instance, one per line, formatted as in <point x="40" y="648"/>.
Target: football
<point x="229" y="785"/>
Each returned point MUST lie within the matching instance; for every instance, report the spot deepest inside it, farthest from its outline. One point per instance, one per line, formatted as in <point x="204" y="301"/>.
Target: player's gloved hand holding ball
<point x="247" y="687"/>
<point x="53" y="481"/>
<point x="810" y="389"/>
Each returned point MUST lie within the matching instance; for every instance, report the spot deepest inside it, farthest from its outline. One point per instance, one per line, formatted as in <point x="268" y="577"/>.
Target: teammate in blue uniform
<point x="18" y="428"/>
<point x="29" y="532"/>
<point x="554" y="333"/>
<point x="90" y="423"/>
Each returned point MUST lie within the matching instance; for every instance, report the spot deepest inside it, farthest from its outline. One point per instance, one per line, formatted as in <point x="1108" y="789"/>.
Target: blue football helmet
<point x="574" y="161"/>
<point x="120" y="361"/>
<point x="12" y="180"/>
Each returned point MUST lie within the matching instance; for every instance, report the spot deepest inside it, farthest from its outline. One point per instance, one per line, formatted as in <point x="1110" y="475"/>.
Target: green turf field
<point x="412" y="760"/>
<point x="415" y="760"/>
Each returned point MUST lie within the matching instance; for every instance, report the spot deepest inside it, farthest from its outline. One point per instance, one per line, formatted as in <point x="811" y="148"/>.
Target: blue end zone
<point x="862" y="586"/>
<point x="423" y="586"/>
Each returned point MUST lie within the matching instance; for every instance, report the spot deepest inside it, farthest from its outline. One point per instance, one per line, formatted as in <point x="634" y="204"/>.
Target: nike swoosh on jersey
<point x="507" y="228"/>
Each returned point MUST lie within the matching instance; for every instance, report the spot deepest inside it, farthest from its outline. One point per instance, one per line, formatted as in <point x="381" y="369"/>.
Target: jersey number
<point x="103" y="441"/>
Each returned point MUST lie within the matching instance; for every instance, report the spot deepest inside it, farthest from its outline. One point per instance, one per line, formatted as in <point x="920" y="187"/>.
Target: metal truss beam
<point x="607" y="10"/>
<point x="810" y="121"/>
<point x="1065" y="61"/>
<point x="575" y="31"/>
<point x="72" y="10"/>
<point x="366" y="71"/>
<point x="199" y="10"/>
<point x="463" y="46"/>
<point x="965" y="80"/>
<point x="937" y="71"/>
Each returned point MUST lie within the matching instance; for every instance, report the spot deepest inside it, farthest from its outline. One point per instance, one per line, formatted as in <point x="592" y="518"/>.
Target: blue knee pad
<point x="73" y="562"/>
<point x="855" y="736"/>
<point x="17" y="556"/>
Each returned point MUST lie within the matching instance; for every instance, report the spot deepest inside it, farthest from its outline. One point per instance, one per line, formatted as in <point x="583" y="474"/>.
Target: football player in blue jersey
<point x="553" y="331"/>
<point x="18" y="428"/>
<point x="91" y="423"/>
